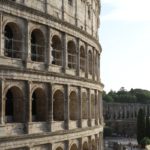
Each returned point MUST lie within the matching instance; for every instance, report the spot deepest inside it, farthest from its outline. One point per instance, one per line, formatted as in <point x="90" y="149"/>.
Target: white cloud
<point x="127" y="10"/>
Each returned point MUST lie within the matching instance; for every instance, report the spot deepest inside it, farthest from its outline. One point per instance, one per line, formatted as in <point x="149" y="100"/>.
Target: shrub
<point x="145" y="141"/>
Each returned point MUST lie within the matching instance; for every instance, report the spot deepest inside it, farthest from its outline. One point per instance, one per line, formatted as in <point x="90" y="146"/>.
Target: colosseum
<point x="50" y="87"/>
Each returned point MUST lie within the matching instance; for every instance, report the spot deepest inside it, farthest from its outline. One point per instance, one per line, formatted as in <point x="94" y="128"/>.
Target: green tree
<point x="147" y="128"/>
<point x="140" y="125"/>
<point x="145" y="141"/>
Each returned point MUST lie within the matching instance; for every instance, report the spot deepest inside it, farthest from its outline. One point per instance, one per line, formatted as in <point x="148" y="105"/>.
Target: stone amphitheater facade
<point x="50" y="87"/>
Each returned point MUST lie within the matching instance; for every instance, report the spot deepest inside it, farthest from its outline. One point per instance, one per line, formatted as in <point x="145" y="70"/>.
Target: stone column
<point x="63" y="9"/>
<point x="46" y="6"/>
<point x="80" y="144"/>
<point x="98" y="67"/>
<point x="89" y="107"/>
<point x="48" y="49"/>
<point x="90" y="142"/>
<point x="76" y="14"/>
<point x="96" y="108"/>
<point x="80" y="106"/>
<point x="66" y="103"/>
<point x="93" y="76"/>
<point x="65" y="52"/>
<point x="85" y="17"/>
<point x="101" y="141"/>
<point x="2" y="102"/>
<point x="78" y="58"/>
<point x="29" y="102"/>
<point x="91" y="9"/>
<point x="27" y="44"/>
<point x="28" y="106"/>
<point x="1" y="35"/>
<point x="86" y="61"/>
<point x="50" y="105"/>
<point x="101" y="108"/>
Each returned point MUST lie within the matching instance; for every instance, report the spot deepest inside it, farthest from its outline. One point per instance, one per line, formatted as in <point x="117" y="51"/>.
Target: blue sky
<point x="125" y="38"/>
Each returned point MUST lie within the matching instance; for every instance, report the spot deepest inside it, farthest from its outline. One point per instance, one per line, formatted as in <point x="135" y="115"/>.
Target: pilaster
<point x="80" y="106"/>
<point x="78" y="58"/>
<point x="1" y="35"/>
<point x="96" y="107"/>
<point x="76" y="12"/>
<point x="48" y="49"/>
<point x="27" y="44"/>
<point x="2" y="102"/>
<point x="50" y="105"/>
<point x="28" y="106"/>
<point x="87" y="61"/>
<point x="89" y="107"/>
<point x="65" y="52"/>
<point x="63" y="9"/>
<point x="66" y="106"/>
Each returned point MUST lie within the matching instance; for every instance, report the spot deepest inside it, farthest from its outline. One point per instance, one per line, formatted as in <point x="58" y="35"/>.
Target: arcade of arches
<point x="122" y="117"/>
<point x="78" y="55"/>
<point x="50" y="86"/>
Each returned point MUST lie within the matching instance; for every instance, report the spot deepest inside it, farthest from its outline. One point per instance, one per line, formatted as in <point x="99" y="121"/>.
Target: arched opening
<point x="94" y="146"/>
<point x="72" y="56"/>
<point x="82" y="59"/>
<point x="90" y="66"/>
<point x="58" y="106"/>
<point x="39" y="105"/>
<point x="95" y="65"/>
<point x="59" y="148"/>
<point x="85" y="146"/>
<point x="12" y="41"/>
<point x="84" y="106"/>
<point x="14" y="105"/>
<point x="73" y="105"/>
<point x="37" y="46"/>
<point x="93" y="106"/>
<point x="57" y="51"/>
<point x="74" y="147"/>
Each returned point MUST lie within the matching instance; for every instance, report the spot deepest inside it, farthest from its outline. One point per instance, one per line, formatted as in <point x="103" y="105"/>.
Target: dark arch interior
<point x="39" y="105"/>
<point x="14" y="105"/>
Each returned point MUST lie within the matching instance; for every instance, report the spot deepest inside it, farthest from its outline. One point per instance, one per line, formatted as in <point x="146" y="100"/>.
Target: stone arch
<point x="82" y="59"/>
<point x="56" y="50"/>
<point x="58" y="106"/>
<point x="14" y="105"/>
<point x="95" y="64"/>
<point x="93" y="145"/>
<point x="73" y="147"/>
<point x="85" y="146"/>
<point x="93" y="106"/>
<point x="84" y="106"/>
<point x="12" y="40"/>
<point x="59" y="148"/>
<point x="73" y="106"/>
<point x="37" y="45"/>
<point x="72" y="55"/>
<point x="39" y="105"/>
<point x="90" y="62"/>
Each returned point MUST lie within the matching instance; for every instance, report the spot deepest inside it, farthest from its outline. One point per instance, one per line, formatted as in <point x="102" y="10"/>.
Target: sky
<point x="125" y="39"/>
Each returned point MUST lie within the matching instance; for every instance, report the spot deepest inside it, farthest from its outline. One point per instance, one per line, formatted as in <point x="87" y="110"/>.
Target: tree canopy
<point x="124" y="96"/>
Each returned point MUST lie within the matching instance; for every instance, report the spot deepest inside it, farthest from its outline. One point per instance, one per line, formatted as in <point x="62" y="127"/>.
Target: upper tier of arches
<point x="82" y="13"/>
<point x="52" y="48"/>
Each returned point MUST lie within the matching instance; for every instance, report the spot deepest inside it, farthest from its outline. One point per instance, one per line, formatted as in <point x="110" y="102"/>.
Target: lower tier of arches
<point x="89" y="139"/>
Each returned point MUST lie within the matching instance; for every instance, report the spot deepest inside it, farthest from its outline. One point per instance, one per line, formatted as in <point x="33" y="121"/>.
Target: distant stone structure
<point x="50" y="87"/>
<point x="122" y="116"/>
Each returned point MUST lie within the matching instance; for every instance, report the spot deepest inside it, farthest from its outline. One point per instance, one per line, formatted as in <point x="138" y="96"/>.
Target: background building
<point x="122" y="117"/>
<point x="50" y="87"/>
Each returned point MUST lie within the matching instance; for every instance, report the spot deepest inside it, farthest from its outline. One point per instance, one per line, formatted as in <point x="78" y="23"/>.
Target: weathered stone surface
<point x="50" y="87"/>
